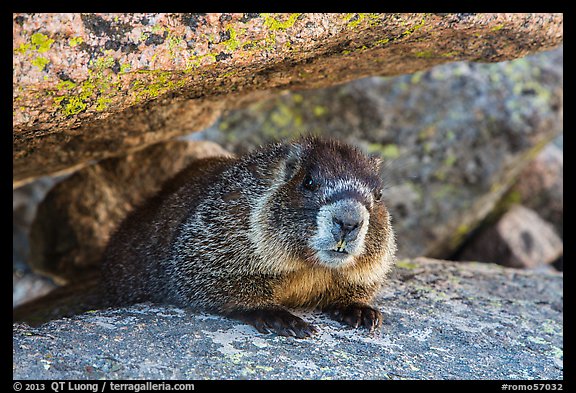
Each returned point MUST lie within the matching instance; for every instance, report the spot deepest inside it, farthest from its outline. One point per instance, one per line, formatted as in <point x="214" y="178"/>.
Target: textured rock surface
<point x="443" y="320"/>
<point x="519" y="239"/>
<point x="74" y="221"/>
<point x="25" y="283"/>
<point x="540" y="186"/>
<point x="454" y="137"/>
<point x="88" y="86"/>
<point x="25" y="202"/>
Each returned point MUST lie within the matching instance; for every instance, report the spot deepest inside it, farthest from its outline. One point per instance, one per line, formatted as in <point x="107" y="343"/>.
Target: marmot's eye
<point x="378" y="195"/>
<point x="310" y="184"/>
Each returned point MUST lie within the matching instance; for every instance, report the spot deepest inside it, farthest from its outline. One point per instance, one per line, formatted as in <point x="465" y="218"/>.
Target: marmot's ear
<point x="293" y="161"/>
<point x="376" y="161"/>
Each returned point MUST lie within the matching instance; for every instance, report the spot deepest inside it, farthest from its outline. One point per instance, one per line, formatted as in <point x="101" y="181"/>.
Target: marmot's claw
<point x="279" y="321"/>
<point x="357" y="314"/>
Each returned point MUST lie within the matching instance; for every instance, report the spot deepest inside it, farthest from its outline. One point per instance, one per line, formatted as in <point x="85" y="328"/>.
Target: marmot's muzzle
<point x="341" y="230"/>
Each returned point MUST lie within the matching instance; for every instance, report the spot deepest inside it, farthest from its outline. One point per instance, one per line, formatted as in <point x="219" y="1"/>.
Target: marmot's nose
<point x="346" y="226"/>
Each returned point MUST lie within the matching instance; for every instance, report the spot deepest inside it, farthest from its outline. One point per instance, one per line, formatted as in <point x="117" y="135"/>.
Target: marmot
<point x="299" y="224"/>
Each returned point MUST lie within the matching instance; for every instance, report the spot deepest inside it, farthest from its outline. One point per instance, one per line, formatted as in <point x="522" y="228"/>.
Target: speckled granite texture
<point x="442" y="320"/>
<point x="88" y="86"/>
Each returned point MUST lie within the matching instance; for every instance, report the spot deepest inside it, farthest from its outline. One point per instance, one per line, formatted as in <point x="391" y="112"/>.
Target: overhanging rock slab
<point x="89" y="86"/>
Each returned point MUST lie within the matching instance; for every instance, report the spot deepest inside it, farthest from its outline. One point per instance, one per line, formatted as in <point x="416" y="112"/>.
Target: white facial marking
<point x="347" y="185"/>
<point x="330" y="251"/>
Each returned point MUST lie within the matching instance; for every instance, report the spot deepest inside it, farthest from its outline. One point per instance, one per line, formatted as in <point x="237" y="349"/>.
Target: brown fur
<point x="232" y="236"/>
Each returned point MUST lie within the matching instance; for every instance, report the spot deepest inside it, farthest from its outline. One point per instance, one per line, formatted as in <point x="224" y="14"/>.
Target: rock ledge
<point x="443" y="320"/>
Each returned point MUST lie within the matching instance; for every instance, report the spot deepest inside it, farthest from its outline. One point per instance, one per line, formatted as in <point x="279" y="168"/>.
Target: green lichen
<point x="430" y="131"/>
<point x="157" y="29"/>
<point x="274" y="24"/>
<point x="193" y="62"/>
<point x="558" y="353"/>
<point x="341" y="354"/>
<point x="450" y="160"/>
<point x="144" y="36"/>
<point x="102" y="63"/>
<point x="511" y="198"/>
<point x="415" y="27"/>
<point x="67" y="85"/>
<point x="529" y="155"/>
<point x="537" y="340"/>
<point x="174" y="44"/>
<point x="152" y="90"/>
<point x="495" y="303"/>
<point x="426" y="54"/>
<point x="450" y="54"/>
<point x="228" y="74"/>
<point x="417" y="77"/>
<point x="235" y="358"/>
<point x="159" y="82"/>
<point x="549" y="327"/>
<point x="102" y="103"/>
<point x="40" y="62"/>
<point x="77" y="96"/>
<point x="248" y="370"/>
<point x="223" y="125"/>
<point x="124" y="68"/>
<point x="406" y="264"/>
<point x="459" y="234"/>
<point x="284" y="121"/>
<point x="347" y="17"/>
<point x="297" y="98"/>
<point x="232" y="43"/>
<point x="41" y="42"/>
<point x="440" y="175"/>
<point x="284" y="116"/>
<point x="320" y="110"/>
<point x="71" y="105"/>
<point x="75" y="41"/>
<point x="23" y="48"/>
<point x="497" y="27"/>
<point x="541" y="92"/>
<point x="431" y="293"/>
<point x="268" y="43"/>
<point x="388" y="151"/>
<point x="353" y="20"/>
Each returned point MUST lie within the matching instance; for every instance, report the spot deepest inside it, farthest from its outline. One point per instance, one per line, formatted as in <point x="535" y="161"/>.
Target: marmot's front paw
<point x="356" y="314"/>
<point x="276" y="320"/>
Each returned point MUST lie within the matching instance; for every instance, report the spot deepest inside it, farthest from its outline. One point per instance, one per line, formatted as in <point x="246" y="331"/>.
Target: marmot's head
<point x="326" y="206"/>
